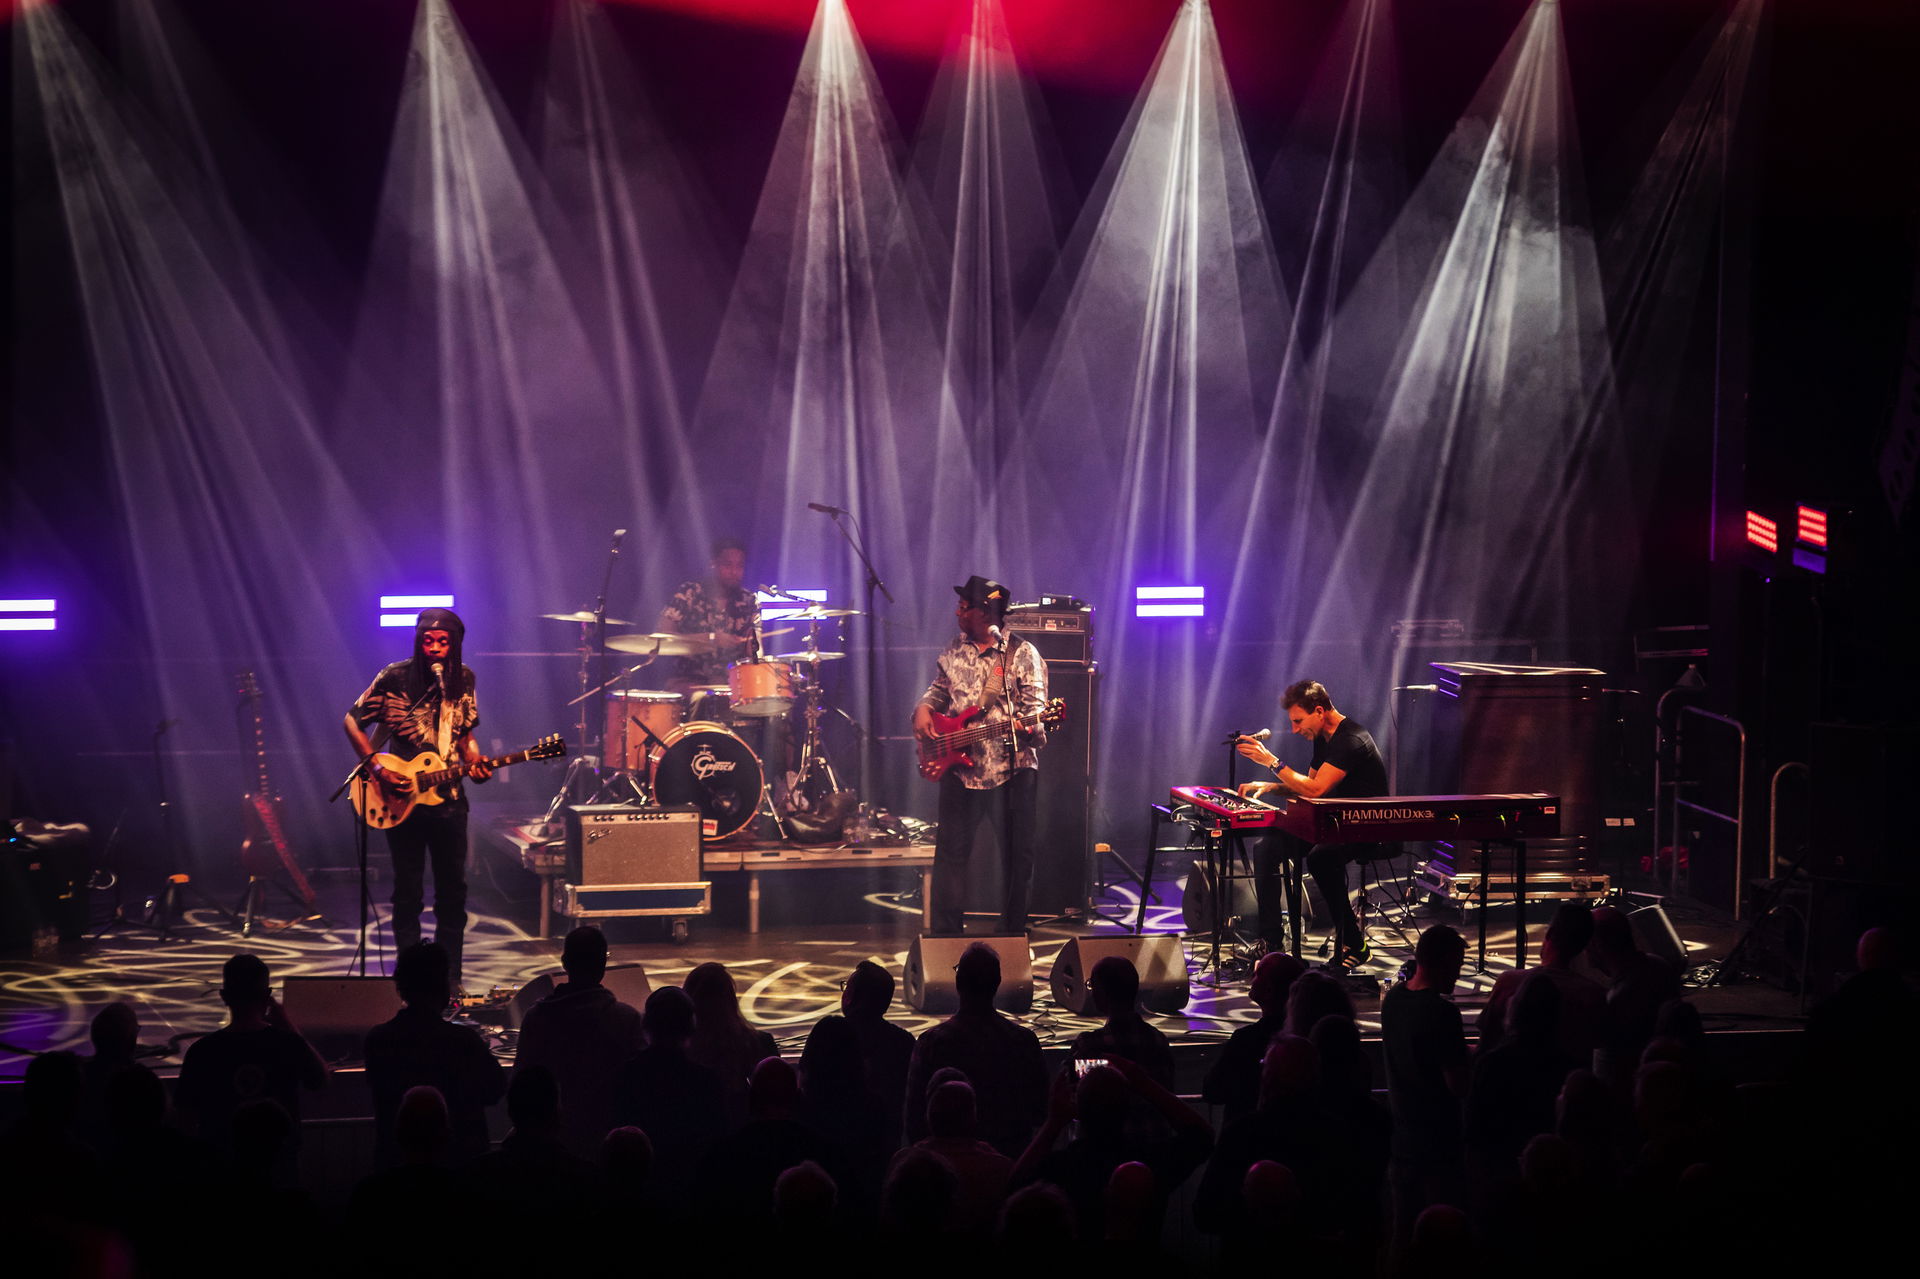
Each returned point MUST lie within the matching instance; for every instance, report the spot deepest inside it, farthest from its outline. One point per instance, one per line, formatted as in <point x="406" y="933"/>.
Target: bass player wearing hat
<point x="998" y="783"/>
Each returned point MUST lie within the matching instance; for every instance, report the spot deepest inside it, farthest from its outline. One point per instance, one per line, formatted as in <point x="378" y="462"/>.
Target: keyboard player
<point x="1346" y="765"/>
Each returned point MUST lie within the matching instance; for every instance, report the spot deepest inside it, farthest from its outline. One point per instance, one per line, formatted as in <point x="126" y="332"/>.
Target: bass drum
<point x="705" y="765"/>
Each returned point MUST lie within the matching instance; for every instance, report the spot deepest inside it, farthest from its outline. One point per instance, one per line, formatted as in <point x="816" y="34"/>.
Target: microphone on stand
<point x="824" y="509"/>
<point x="1260" y="736"/>
<point x="440" y="678"/>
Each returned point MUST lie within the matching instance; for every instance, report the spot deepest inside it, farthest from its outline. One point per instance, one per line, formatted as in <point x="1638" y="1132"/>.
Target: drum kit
<point x="691" y="748"/>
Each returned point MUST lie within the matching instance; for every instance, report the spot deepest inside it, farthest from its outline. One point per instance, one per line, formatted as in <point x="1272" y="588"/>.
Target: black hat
<point x="984" y="592"/>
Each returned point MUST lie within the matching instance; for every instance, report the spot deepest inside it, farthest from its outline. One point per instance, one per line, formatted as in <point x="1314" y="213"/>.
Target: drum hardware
<point x="585" y="618"/>
<point x="663" y="644"/>
<point x="808" y="655"/>
<point x="820" y="613"/>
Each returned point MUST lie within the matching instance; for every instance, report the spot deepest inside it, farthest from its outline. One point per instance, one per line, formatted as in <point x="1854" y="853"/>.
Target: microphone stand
<point x="360" y="829"/>
<point x="600" y="627"/>
<point x="873" y="584"/>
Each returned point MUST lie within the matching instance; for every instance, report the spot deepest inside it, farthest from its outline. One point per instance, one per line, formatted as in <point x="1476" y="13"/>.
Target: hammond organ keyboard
<point x="1459" y="819"/>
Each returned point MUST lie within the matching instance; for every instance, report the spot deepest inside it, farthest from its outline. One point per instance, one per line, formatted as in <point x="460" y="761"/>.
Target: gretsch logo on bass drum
<point x="705" y="764"/>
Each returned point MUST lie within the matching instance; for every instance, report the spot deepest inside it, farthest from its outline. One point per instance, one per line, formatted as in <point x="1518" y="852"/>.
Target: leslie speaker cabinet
<point x="624" y="860"/>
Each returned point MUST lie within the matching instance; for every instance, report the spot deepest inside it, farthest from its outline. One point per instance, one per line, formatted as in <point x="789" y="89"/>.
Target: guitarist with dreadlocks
<point x="419" y="704"/>
<point x="998" y="782"/>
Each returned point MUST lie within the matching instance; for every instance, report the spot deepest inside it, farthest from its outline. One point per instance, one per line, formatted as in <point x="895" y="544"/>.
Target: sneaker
<point x="1346" y="961"/>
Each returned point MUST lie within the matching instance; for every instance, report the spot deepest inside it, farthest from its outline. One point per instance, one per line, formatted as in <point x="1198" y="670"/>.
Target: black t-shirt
<point x="1423" y="1037"/>
<point x="1350" y="749"/>
<point x="229" y="1068"/>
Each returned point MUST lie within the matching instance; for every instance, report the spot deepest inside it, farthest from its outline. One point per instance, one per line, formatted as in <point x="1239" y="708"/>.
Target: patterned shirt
<point x="703" y="608"/>
<point x="968" y="677"/>
<point x="417" y="726"/>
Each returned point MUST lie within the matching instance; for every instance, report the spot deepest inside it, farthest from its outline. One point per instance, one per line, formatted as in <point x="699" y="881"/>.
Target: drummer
<point x="720" y="608"/>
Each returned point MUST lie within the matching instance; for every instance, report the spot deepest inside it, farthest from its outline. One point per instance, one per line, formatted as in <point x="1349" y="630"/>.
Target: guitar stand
<point x="249" y="910"/>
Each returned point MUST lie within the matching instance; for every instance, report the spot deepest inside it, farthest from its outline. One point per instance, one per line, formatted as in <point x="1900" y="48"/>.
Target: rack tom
<point x="760" y="689"/>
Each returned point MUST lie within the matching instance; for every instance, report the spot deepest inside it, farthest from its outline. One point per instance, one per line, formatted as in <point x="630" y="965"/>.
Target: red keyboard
<point x="1230" y="808"/>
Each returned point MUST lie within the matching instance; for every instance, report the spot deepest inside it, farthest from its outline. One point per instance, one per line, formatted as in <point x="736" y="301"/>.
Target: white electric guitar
<point x="382" y="807"/>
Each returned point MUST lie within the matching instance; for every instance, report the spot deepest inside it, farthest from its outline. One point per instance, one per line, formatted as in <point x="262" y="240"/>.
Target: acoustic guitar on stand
<point x="383" y="808"/>
<point x="955" y="736"/>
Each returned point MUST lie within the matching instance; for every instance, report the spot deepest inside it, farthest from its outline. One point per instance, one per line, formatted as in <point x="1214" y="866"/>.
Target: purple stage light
<point x="1169" y="601"/>
<point x="413" y="602"/>
<point x="9" y="622"/>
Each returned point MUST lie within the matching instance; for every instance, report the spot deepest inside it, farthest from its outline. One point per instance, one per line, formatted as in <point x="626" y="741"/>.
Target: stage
<point x="788" y="972"/>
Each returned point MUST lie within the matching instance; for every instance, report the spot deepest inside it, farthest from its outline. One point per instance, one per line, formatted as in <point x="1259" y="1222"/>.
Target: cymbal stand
<point x="813" y="752"/>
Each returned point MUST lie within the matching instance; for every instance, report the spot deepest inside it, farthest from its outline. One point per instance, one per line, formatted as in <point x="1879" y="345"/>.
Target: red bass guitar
<point x="955" y="736"/>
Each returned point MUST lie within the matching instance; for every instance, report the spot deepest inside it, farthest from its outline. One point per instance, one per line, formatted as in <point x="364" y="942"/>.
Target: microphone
<point x="824" y="509"/>
<point x="440" y="678"/>
<point x="996" y="632"/>
<point x="1260" y="736"/>
<point x="619" y="535"/>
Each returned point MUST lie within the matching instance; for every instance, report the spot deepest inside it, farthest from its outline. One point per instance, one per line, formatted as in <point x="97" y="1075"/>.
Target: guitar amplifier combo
<point x="626" y="860"/>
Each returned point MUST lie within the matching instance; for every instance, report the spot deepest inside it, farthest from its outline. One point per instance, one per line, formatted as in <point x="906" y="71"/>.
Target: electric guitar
<point x="955" y="736"/>
<point x="382" y="808"/>
<point x="263" y="814"/>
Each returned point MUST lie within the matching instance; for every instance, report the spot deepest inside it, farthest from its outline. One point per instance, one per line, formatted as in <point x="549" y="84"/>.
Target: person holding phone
<point x="259" y="1055"/>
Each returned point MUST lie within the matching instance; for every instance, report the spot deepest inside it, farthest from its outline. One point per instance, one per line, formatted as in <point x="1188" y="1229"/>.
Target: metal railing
<point x="1735" y="818"/>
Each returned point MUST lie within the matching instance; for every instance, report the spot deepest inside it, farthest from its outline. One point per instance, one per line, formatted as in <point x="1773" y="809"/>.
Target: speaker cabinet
<point x="335" y="1013"/>
<point x="628" y="982"/>
<point x="1159" y="958"/>
<point x="1063" y="852"/>
<point x="1654" y="933"/>
<point x="929" y="987"/>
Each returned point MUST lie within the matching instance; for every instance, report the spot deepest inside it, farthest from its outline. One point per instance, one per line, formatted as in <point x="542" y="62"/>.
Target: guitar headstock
<point x="549" y="747"/>
<point x="247" y="686"/>
<point x="1055" y="713"/>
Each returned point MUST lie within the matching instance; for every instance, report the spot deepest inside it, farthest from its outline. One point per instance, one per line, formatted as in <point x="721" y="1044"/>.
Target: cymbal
<point x="584" y="617"/>
<point x="808" y="657"/>
<point x="661" y="644"/>
<point x="815" y="613"/>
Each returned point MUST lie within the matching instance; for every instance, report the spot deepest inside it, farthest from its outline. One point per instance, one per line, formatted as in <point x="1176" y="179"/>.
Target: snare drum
<point x="760" y="689"/>
<point x="708" y="767"/>
<point x="631" y="709"/>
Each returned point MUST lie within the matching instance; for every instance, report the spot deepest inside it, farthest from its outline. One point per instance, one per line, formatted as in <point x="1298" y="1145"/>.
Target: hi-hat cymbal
<point x="583" y="616"/>
<point x="815" y="613"/>
<point x="808" y="657"/>
<point x="661" y="644"/>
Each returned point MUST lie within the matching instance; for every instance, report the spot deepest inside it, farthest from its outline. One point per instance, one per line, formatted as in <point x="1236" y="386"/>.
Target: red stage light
<point x="1811" y="526"/>
<point x="1762" y="532"/>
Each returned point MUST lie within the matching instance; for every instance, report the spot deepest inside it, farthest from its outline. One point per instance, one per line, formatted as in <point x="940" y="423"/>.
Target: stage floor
<point x="788" y="972"/>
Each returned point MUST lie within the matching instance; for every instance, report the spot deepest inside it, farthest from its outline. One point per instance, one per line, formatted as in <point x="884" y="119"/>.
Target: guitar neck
<point x="438" y="775"/>
<point x="974" y="733"/>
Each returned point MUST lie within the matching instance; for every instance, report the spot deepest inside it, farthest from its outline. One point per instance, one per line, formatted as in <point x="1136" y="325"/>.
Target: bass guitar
<point x="382" y="807"/>
<point x="955" y="736"/>
<point x="265" y="849"/>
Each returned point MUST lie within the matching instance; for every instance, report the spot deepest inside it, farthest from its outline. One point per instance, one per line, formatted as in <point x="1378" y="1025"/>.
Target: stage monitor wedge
<point x="929" y="987"/>
<point x="1159" y="958"/>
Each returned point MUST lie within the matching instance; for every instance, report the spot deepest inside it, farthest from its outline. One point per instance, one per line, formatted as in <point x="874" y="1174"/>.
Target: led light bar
<point x="1160" y="601"/>
<point x="1810" y="526"/>
<point x="1762" y="532"/>
<point x="414" y="602"/>
<point x="47" y="623"/>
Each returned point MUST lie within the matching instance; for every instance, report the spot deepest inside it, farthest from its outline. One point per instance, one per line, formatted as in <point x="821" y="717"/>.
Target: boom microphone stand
<point x="873" y="584"/>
